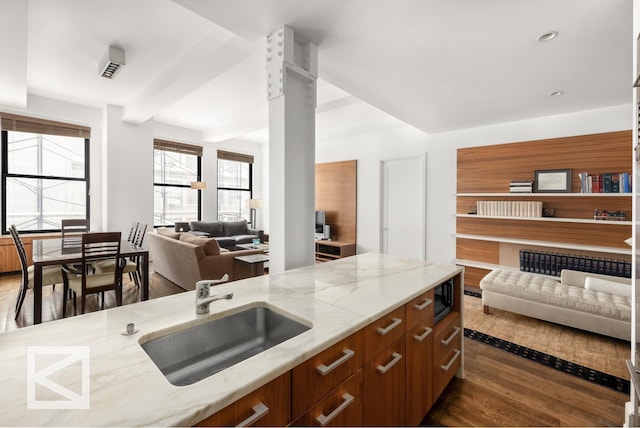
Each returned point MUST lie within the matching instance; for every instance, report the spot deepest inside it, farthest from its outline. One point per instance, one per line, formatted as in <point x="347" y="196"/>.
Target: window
<point x="175" y="167"/>
<point x="45" y="173"/>
<point x="235" y="185"/>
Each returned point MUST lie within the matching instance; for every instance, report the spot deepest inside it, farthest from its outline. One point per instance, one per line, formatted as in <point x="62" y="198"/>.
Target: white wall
<point x="370" y="149"/>
<point x="127" y="193"/>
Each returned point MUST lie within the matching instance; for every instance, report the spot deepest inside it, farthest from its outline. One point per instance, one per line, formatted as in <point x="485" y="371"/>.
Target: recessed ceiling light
<point x="556" y="93"/>
<point x="545" y="37"/>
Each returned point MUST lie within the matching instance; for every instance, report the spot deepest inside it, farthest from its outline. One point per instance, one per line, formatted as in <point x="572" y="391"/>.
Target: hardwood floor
<point x="500" y="389"/>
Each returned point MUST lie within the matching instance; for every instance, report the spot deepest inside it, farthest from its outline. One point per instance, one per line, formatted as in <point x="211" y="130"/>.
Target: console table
<point x="331" y="250"/>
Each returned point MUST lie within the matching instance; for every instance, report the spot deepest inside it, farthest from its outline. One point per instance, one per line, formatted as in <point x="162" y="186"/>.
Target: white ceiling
<point x="438" y="65"/>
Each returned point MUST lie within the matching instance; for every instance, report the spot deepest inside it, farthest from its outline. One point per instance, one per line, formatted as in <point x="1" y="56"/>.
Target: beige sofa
<point x="600" y="304"/>
<point x="185" y="259"/>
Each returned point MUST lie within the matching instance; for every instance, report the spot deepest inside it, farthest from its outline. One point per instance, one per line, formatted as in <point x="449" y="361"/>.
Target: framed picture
<point x="552" y="180"/>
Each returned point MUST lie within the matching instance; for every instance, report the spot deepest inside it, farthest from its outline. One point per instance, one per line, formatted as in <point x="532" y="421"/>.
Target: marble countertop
<point x="125" y="388"/>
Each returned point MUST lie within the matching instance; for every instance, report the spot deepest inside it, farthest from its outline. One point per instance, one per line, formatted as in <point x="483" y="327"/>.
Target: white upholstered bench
<point x="603" y="307"/>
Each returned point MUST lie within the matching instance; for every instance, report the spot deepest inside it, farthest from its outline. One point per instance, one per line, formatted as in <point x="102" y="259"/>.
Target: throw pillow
<point x="164" y="231"/>
<point x="611" y="287"/>
<point x="209" y="245"/>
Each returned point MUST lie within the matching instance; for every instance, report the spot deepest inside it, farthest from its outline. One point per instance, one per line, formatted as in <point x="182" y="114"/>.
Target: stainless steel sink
<point x="194" y="353"/>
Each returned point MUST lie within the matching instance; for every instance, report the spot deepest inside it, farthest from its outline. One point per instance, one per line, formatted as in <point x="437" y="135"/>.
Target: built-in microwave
<point x="443" y="299"/>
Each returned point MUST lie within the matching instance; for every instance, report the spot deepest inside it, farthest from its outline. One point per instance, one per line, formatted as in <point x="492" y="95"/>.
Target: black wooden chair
<point x="97" y="248"/>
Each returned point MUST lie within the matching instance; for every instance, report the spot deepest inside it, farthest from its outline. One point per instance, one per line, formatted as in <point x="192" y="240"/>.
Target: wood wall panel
<point x="336" y="193"/>
<point x="510" y="253"/>
<point x="473" y="276"/>
<point x="567" y="207"/>
<point x="607" y="235"/>
<point x="480" y="251"/>
<point x="491" y="168"/>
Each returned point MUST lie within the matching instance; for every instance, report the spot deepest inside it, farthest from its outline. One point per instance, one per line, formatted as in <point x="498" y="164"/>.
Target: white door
<point x="403" y="207"/>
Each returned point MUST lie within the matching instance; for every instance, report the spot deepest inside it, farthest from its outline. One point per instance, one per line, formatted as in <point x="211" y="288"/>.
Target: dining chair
<point x="97" y="247"/>
<point x="72" y="229"/>
<point x="133" y="231"/>
<point x="132" y="265"/>
<point x="138" y="240"/>
<point x="51" y="275"/>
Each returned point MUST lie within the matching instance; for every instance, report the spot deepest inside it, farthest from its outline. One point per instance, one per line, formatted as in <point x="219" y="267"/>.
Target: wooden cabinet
<point x="447" y="353"/>
<point x="331" y="250"/>
<point x="384" y="387"/>
<point x="389" y="373"/>
<point x="340" y="407"/>
<point x="384" y="372"/>
<point x="320" y="374"/>
<point x="269" y="405"/>
<point x="9" y="261"/>
<point x="419" y="358"/>
<point x="484" y="243"/>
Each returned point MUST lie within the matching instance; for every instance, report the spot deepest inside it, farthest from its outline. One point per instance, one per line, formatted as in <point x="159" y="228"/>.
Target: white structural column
<point x="291" y="91"/>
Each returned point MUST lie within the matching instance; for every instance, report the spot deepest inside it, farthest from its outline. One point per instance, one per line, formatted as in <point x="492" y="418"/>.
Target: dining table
<point x="57" y="251"/>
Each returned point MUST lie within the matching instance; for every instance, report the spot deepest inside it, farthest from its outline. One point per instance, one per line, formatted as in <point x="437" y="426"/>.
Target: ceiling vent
<point x="112" y="62"/>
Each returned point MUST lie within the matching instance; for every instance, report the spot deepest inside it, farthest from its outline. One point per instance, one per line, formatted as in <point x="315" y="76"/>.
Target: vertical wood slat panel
<point x="336" y="193"/>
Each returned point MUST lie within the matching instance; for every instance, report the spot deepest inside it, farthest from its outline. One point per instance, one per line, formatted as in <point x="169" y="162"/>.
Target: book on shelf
<point x="552" y="264"/>
<point x="509" y="208"/>
<point x="607" y="182"/>
<point x="521" y="186"/>
<point x="606" y="215"/>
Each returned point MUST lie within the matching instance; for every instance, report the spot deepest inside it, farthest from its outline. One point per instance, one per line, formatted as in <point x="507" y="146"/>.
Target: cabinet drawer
<point x="341" y="407"/>
<point x="269" y="405"/>
<point x="383" y="332"/>
<point x="447" y="351"/>
<point x="320" y="374"/>
<point x="420" y="310"/>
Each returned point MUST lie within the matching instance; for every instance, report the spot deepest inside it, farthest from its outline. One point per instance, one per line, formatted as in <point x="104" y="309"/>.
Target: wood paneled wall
<point x="490" y="169"/>
<point x="336" y="193"/>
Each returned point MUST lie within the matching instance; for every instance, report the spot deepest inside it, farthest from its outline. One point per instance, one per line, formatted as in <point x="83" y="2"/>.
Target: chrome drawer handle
<point x="447" y="366"/>
<point x="325" y="370"/>
<point x="259" y="410"/>
<point x="450" y="338"/>
<point x="347" y="400"/>
<point x="426" y="303"/>
<point x="396" y="357"/>
<point x="423" y="336"/>
<point x="382" y="331"/>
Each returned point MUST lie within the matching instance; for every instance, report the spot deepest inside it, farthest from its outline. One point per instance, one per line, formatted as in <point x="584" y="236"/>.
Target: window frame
<point x="196" y="151"/>
<point x="6" y="175"/>
<point x="234" y="157"/>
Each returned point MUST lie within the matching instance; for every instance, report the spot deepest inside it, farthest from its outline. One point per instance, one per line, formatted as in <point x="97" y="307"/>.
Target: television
<point x="321" y="218"/>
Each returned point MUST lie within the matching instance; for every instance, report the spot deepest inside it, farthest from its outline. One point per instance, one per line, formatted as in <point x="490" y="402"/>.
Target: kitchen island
<point x="125" y="388"/>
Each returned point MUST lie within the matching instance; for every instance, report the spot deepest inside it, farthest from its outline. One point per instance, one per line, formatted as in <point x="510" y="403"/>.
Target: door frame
<point x="422" y="194"/>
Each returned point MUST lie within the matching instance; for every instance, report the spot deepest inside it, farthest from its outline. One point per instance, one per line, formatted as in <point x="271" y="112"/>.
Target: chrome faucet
<point x="203" y="299"/>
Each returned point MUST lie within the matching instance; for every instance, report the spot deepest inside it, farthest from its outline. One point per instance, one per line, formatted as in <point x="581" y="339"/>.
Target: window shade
<point x="14" y="122"/>
<point x="173" y="146"/>
<point x="238" y="157"/>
